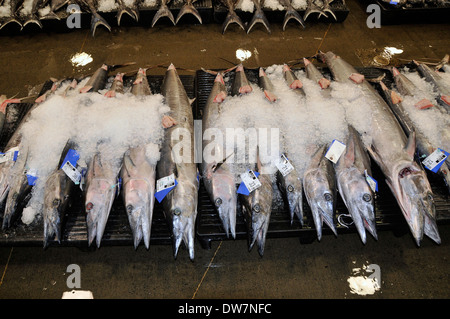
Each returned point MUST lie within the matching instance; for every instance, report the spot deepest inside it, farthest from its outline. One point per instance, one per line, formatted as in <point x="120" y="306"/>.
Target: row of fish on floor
<point x="24" y="12"/>
<point x="133" y="135"/>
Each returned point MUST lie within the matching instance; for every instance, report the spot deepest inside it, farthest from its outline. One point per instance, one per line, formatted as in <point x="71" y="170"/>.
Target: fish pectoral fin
<point x="373" y="153"/>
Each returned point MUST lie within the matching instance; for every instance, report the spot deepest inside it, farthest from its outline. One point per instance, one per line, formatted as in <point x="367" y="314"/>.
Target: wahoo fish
<point x="138" y="175"/>
<point x="57" y="196"/>
<point x="319" y="184"/>
<point x="353" y="187"/>
<point x="217" y="177"/>
<point x="180" y="204"/>
<point x="394" y="153"/>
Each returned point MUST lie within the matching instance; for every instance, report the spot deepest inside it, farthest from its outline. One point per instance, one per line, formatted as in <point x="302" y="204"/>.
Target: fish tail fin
<point x="11" y="20"/>
<point x="163" y="11"/>
<point x="259" y="17"/>
<point x="291" y="13"/>
<point x="33" y="19"/>
<point x="189" y="8"/>
<point x="51" y="15"/>
<point x="96" y="21"/>
<point x="232" y="17"/>
<point x="129" y="11"/>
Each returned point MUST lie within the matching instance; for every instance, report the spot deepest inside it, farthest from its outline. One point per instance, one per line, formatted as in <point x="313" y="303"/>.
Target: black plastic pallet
<point x="146" y="14"/>
<point x="429" y="12"/>
<point x="388" y="213"/>
<point x="338" y="7"/>
<point x="117" y="231"/>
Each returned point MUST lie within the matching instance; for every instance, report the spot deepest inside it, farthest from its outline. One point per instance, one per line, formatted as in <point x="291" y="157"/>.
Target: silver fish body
<point x="180" y="204"/>
<point x="319" y="185"/>
<point x="424" y="145"/>
<point x="138" y="191"/>
<point x="257" y="208"/>
<point x="57" y="196"/>
<point x="353" y="187"/>
<point x="217" y="177"/>
<point x="138" y="175"/>
<point x="100" y="192"/>
<point x="439" y="83"/>
<point x="394" y="154"/>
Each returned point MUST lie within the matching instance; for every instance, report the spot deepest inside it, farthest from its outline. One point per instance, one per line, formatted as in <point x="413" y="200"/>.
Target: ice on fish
<point x="87" y="119"/>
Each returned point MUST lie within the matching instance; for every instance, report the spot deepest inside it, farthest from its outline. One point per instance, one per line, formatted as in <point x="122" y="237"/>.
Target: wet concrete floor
<point x="288" y="269"/>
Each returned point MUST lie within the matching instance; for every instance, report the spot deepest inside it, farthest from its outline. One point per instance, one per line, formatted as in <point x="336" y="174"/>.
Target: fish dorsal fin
<point x="128" y="164"/>
<point x="318" y="155"/>
<point x="96" y="164"/>
<point x="410" y="146"/>
<point x="349" y="156"/>
<point x="216" y="166"/>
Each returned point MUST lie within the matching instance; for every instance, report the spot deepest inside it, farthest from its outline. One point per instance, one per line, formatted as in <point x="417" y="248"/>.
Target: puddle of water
<point x="365" y="280"/>
<point x="243" y="55"/>
<point x="81" y="59"/>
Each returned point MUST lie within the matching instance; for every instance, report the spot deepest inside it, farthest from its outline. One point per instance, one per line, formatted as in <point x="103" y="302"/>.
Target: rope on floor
<point x="6" y="267"/>
<point x="206" y="271"/>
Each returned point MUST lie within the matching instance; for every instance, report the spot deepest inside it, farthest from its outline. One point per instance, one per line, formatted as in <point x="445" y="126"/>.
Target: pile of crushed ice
<point x="94" y="123"/>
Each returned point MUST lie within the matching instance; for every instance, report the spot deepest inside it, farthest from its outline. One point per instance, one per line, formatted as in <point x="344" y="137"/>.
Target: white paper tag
<point x="9" y="155"/>
<point x="250" y="181"/>
<point x="283" y="165"/>
<point x="435" y="159"/>
<point x="77" y="294"/>
<point x="72" y="172"/>
<point x="335" y="151"/>
<point x="373" y="184"/>
<point x="165" y="182"/>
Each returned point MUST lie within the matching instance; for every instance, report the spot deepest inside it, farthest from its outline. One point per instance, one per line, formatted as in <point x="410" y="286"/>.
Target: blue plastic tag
<point x="371" y="181"/>
<point x="31" y="177"/>
<point x="242" y="189"/>
<point x="72" y="157"/>
<point x="164" y="186"/>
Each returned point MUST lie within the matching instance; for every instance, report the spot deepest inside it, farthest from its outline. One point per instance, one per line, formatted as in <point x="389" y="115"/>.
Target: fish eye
<point x="218" y="202"/>
<point x="56" y="202"/>
<point x="430" y="197"/>
<point x="367" y="197"/>
<point x="328" y="197"/>
<point x="89" y="206"/>
<point x="290" y="188"/>
<point x="177" y="211"/>
<point x="257" y="208"/>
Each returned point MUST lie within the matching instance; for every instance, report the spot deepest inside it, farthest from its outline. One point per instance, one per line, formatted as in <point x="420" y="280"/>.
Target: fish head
<point x="222" y="189"/>
<point x="321" y="198"/>
<point x="136" y="194"/>
<point x="98" y="201"/>
<point x="258" y="208"/>
<point x="358" y="198"/>
<point x="183" y="213"/>
<point x="413" y="192"/>
<point x="53" y="198"/>
<point x="292" y="187"/>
